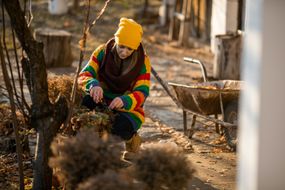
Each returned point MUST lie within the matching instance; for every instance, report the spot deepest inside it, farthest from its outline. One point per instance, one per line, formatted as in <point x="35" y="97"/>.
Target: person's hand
<point x="116" y="103"/>
<point x="96" y="93"/>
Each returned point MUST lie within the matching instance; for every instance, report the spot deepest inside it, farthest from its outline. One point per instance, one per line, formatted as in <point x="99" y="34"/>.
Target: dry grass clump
<point x="85" y="155"/>
<point x="63" y="85"/>
<point x="6" y="121"/>
<point x="7" y="137"/>
<point x="163" y="167"/>
<point x="110" y="180"/>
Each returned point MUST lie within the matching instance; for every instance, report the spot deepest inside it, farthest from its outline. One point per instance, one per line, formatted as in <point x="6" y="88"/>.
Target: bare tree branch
<point x="34" y="51"/>
<point x="15" y="123"/>
<point x="21" y="102"/>
<point x="7" y="54"/>
<point x="31" y="16"/>
<point x="82" y="43"/>
<point x="46" y="118"/>
<point x="20" y="75"/>
<point x="99" y="15"/>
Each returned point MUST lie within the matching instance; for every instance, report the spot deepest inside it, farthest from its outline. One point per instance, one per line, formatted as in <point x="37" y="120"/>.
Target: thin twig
<point x="82" y="49"/>
<point x="99" y="15"/>
<point x="26" y="115"/>
<point x="7" y="96"/>
<point x="20" y="75"/>
<point x="30" y="14"/>
<point x="15" y="123"/>
<point x="31" y="17"/>
<point x="19" y="103"/>
<point x="8" y="56"/>
<point x="82" y="43"/>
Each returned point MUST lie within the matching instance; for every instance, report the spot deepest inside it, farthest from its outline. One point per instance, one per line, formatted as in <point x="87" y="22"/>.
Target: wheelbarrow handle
<point x="202" y="66"/>
<point x="165" y="87"/>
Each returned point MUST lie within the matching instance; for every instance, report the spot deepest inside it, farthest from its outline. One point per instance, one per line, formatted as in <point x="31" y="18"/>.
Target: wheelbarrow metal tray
<point x="204" y="98"/>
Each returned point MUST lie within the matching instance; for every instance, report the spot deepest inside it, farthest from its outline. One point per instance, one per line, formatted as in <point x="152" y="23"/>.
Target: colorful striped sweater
<point x="133" y="98"/>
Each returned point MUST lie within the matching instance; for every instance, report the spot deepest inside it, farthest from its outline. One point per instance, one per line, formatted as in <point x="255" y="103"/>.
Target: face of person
<point x="124" y="51"/>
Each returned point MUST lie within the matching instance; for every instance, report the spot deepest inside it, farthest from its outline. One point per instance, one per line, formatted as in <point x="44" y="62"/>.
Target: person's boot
<point x="132" y="147"/>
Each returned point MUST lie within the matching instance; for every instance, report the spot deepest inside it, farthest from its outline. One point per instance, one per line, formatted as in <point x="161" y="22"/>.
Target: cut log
<point x="57" y="47"/>
<point x="227" y="56"/>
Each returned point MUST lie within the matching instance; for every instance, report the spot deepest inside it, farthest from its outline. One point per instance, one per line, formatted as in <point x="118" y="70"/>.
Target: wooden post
<point x="185" y="23"/>
<point x="181" y="13"/>
<point x="208" y="15"/>
<point x="173" y="24"/>
<point x="227" y="56"/>
<point x="57" y="47"/>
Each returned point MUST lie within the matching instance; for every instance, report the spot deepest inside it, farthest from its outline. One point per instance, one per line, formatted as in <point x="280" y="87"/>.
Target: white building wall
<point x="224" y="18"/>
<point x="261" y="163"/>
<point x="232" y="16"/>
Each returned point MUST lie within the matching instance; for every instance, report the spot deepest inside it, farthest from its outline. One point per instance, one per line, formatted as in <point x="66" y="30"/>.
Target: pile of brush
<point x="98" y="120"/>
<point x="88" y="162"/>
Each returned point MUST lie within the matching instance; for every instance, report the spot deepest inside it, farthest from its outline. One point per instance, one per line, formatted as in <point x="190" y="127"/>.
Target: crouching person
<point x="118" y="73"/>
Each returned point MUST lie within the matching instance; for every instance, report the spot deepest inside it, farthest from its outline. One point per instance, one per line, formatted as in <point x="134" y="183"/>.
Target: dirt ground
<point x="207" y="150"/>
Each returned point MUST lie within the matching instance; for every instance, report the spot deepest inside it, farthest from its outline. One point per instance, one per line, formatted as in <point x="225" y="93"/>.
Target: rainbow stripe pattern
<point x="133" y="98"/>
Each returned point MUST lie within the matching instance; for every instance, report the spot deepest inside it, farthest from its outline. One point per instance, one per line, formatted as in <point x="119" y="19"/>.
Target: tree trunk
<point x="75" y="4"/>
<point x="45" y="117"/>
<point x="145" y="7"/>
<point x="45" y="134"/>
<point x="57" y="48"/>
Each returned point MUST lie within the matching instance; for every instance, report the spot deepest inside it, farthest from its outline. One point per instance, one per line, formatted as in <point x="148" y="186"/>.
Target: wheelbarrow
<point x="208" y="98"/>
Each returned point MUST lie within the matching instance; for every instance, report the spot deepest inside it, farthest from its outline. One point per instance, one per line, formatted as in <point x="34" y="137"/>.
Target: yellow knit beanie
<point x="129" y="33"/>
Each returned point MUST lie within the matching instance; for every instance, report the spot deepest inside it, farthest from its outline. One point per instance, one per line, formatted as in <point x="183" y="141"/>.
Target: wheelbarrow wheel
<point x="231" y="116"/>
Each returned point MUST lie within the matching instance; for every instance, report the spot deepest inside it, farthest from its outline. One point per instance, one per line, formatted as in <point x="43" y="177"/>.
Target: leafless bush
<point x="85" y="155"/>
<point x="110" y="180"/>
<point x="163" y="167"/>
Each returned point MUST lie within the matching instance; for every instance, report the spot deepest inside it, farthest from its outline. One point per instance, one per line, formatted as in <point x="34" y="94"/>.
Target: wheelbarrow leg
<point x="218" y="128"/>
<point x="193" y="122"/>
<point x="191" y="131"/>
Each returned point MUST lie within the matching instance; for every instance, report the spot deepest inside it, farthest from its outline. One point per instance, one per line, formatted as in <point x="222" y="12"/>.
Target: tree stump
<point x="227" y="56"/>
<point x="57" y="47"/>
